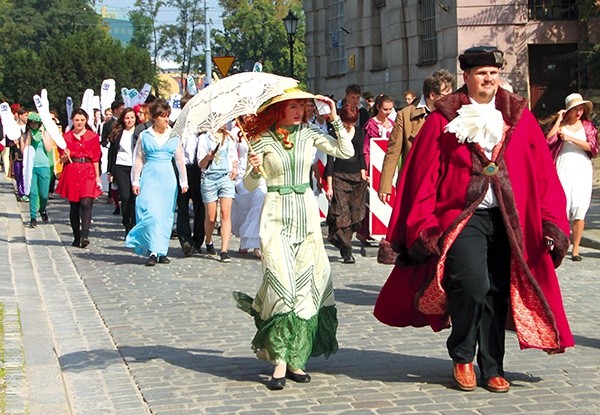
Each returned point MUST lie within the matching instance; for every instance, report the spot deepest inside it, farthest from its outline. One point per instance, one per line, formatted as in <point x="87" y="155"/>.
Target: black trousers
<point x="184" y="230"/>
<point x="122" y="177"/>
<point x="478" y="283"/>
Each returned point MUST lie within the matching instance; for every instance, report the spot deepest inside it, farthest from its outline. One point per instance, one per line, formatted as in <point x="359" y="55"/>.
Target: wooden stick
<point x="260" y="168"/>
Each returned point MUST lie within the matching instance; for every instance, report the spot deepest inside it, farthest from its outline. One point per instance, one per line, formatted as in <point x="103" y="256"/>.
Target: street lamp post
<point x="291" y="23"/>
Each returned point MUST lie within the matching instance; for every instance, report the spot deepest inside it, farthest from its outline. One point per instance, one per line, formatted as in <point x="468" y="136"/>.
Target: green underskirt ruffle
<point x="289" y="338"/>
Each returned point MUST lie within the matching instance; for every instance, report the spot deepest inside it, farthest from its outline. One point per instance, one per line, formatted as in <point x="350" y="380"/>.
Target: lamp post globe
<point x="291" y="24"/>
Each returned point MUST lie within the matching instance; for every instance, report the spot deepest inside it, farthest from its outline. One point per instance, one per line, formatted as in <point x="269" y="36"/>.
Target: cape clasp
<point x="491" y="169"/>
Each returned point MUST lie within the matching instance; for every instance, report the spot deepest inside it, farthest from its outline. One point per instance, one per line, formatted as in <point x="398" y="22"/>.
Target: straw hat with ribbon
<point x="288" y="94"/>
<point x="574" y="100"/>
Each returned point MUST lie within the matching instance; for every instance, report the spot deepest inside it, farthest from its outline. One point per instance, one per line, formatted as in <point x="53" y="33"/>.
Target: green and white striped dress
<point x="294" y="308"/>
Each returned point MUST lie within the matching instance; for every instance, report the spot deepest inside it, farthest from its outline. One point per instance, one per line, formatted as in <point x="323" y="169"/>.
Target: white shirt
<point x="322" y="127"/>
<point x="207" y="142"/>
<point x="190" y="147"/>
<point x="423" y="104"/>
<point x="125" y="153"/>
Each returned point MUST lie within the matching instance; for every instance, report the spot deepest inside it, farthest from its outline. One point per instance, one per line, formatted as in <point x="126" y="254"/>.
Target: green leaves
<point x="62" y="46"/>
<point x="253" y="29"/>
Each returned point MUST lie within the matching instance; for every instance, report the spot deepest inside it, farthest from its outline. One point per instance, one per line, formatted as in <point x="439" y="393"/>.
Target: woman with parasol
<point x="294" y="308"/>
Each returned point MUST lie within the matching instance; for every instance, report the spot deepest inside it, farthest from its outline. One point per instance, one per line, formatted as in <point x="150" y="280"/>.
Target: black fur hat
<point x="481" y="56"/>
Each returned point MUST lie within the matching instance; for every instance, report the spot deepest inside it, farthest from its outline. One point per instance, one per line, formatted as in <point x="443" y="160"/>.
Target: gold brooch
<point x="491" y="169"/>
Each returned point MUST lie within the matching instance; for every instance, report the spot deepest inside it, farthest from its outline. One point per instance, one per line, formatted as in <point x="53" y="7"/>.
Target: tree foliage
<point x="146" y="33"/>
<point x="186" y="38"/>
<point x="62" y="46"/>
<point x="253" y="29"/>
<point x="589" y="10"/>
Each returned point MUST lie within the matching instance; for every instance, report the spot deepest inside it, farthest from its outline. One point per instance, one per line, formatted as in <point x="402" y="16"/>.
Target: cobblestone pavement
<point x="102" y="334"/>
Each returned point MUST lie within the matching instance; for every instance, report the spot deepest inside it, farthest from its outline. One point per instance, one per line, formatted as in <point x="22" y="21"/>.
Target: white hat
<point x="576" y="99"/>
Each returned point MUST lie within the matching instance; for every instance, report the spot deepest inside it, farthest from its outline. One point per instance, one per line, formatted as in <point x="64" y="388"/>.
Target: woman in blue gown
<point x="153" y="181"/>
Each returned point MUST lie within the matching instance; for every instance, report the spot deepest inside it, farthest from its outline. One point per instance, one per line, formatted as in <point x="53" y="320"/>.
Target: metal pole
<point x="207" y="51"/>
<point x="291" y="42"/>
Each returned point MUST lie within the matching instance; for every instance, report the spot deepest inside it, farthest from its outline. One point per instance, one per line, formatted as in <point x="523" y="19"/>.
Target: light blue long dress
<point x="155" y="205"/>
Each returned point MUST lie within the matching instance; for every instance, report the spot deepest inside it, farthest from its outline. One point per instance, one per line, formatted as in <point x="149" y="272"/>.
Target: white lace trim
<point x="481" y="124"/>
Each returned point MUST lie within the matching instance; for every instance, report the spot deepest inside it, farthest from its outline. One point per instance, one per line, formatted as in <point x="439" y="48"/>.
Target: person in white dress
<point x="573" y="143"/>
<point x="246" y="208"/>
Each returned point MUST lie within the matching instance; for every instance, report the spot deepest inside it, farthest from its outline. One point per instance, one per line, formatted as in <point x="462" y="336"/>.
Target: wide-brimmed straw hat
<point x="573" y="100"/>
<point x="293" y="93"/>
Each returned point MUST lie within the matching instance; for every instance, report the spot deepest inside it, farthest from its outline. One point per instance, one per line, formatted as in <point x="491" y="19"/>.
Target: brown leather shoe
<point x="497" y="384"/>
<point x="464" y="375"/>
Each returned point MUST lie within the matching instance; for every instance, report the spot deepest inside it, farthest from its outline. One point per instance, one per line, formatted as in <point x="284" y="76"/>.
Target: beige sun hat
<point x="575" y="99"/>
<point x="293" y="93"/>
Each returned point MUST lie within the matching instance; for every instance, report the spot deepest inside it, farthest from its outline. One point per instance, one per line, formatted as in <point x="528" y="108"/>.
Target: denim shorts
<point x="215" y="186"/>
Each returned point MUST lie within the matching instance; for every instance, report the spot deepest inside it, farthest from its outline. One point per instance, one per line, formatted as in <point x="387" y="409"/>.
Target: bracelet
<point x="255" y="175"/>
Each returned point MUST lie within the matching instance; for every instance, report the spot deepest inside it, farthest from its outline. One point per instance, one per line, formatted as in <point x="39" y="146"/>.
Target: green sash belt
<point x="286" y="190"/>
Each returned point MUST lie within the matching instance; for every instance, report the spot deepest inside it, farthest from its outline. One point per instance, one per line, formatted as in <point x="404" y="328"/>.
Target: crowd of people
<point x="485" y="206"/>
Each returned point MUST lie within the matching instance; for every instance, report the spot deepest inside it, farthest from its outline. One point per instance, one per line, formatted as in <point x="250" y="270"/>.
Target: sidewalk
<point x="48" y="313"/>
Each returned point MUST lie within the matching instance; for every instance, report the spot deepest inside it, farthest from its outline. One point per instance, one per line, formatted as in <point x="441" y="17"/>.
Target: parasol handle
<point x="260" y="168"/>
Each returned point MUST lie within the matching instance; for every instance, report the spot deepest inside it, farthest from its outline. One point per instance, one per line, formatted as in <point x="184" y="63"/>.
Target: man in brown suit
<point x="408" y="123"/>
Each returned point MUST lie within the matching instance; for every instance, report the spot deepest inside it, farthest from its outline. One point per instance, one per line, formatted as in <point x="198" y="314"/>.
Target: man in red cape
<point x="479" y="226"/>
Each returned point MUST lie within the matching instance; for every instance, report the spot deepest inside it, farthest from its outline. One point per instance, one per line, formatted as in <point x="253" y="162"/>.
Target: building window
<point x="378" y="25"/>
<point x="337" y="42"/>
<point x="553" y="10"/>
<point x="427" y="33"/>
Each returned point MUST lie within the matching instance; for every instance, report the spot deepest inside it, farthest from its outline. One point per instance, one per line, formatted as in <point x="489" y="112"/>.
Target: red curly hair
<point x="258" y="124"/>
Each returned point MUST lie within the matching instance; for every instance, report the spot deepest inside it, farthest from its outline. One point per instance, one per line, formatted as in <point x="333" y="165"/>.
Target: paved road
<point x="93" y="331"/>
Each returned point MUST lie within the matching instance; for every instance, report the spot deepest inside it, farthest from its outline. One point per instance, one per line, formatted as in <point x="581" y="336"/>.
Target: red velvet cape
<point x="441" y="185"/>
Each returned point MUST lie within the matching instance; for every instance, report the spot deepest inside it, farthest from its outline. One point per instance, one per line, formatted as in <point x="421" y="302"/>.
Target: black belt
<point x="80" y="160"/>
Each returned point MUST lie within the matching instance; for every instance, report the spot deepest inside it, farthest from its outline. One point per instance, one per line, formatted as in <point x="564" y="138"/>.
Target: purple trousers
<point x="18" y="175"/>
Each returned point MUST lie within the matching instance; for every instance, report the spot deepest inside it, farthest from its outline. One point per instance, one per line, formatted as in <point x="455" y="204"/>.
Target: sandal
<point x="257" y="253"/>
<point x="576" y="258"/>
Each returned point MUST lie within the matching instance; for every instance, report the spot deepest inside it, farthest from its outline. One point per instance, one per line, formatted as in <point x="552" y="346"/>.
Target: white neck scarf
<point x="476" y="123"/>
